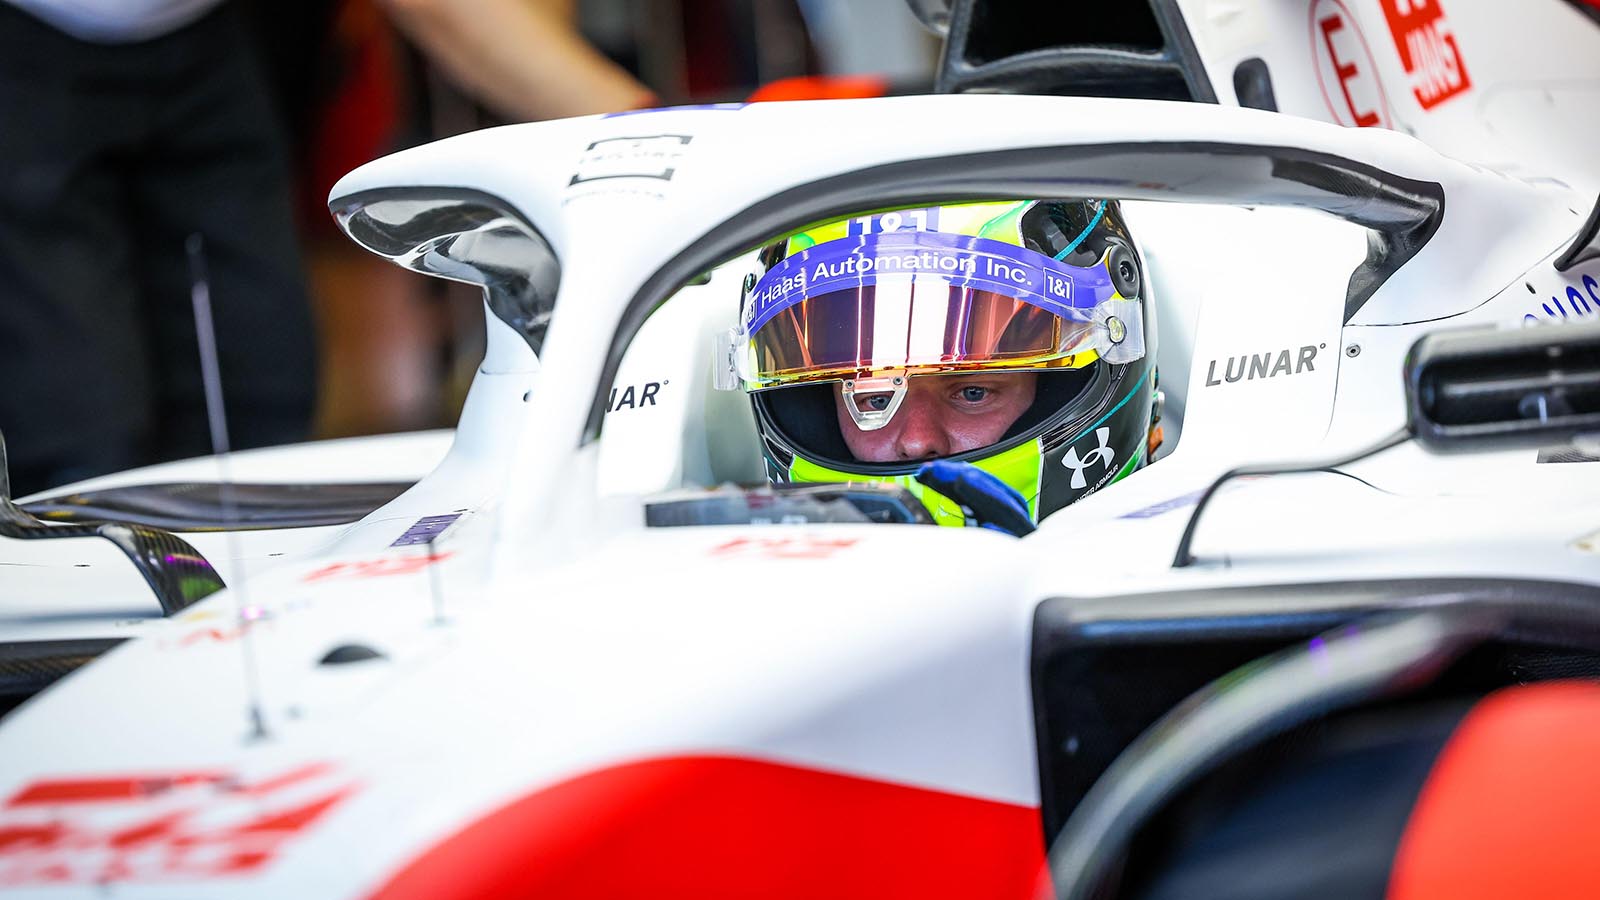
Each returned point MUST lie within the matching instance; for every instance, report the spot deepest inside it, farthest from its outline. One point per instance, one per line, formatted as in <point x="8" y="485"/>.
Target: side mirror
<point x="461" y="235"/>
<point x="1488" y="389"/>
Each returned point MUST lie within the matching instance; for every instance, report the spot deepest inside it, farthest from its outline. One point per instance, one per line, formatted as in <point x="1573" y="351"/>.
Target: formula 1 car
<point x="590" y="653"/>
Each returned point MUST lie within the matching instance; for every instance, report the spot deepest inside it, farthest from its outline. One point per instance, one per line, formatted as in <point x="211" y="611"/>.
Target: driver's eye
<point x="974" y="394"/>
<point x="873" y="402"/>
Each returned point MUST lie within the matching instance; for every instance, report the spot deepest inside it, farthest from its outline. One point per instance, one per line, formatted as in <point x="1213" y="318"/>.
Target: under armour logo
<point x="1103" y="453"/>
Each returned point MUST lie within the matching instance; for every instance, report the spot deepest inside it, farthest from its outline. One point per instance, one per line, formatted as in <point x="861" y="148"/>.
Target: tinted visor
<point x="918" y="301"/>
<point x="919" y="324"/>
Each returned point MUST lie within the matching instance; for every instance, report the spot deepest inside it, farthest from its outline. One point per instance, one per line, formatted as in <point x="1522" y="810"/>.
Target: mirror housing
<point x="1492" y="389"/>
<point x="462" y="235"/>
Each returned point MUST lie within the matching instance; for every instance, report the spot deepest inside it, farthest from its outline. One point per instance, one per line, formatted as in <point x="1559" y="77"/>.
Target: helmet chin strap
<point x="891" y="382"/>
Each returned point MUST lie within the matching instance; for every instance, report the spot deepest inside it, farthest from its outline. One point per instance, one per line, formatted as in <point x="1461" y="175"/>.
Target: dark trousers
<point x="111" y="156"/>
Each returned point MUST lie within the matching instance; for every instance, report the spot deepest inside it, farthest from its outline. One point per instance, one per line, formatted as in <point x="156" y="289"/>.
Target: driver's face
<point x="941" y="415"/>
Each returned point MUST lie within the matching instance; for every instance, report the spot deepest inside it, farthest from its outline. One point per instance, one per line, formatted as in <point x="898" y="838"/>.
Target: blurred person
<point x="130" y="127"/>
<point x="151" y="121"/>
<point x="388" y="340"/>
<point x="347" y="95"/>
<point x="524" y="59"/>
<point x="880" y="38"/>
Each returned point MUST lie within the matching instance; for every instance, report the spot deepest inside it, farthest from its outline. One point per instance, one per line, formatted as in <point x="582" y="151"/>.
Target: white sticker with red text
<point x="786" y="547"/>
<point x="160" y="827"/>
<point x="1428" y="50"/>
<point x="1346" y="71"/>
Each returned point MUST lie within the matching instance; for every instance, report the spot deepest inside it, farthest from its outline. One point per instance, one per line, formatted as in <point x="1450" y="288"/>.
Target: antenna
<point x="1186" y="558"/>
<point x="245" y="614"/>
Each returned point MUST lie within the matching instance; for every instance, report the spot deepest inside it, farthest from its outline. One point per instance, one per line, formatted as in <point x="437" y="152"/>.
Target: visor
<point x="923" y="302"/>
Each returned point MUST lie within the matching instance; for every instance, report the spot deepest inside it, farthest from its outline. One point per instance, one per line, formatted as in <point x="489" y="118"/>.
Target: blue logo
<point x="1576" y="305"/>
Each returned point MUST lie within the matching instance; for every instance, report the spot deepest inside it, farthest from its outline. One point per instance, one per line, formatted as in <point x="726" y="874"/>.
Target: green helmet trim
<point x="1007" y="226"/>
<point x="1132" y="392"/>
<point x="1132" y="464"/>
<point x="995" y="220"/>
<point x="1020" y="467"/>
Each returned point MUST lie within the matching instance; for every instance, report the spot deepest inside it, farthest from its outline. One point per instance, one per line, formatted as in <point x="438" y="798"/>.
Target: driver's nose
<point x="920" y="436"/>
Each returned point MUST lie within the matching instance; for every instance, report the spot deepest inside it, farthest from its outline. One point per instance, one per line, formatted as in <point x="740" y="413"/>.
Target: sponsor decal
<point x="1183" y="501"/>
<point x="198" y="615"/>
<point x="701" y="107"/>
<point x="1427" y="49"/>
<point x="1264" y="365"/>
<point x="1165" y="506"/>
<point x="802" y="547"/>
<point x="903" y="219"/>
<point x="1589" y="543"/>
<point x="370" y="568"/>
<point x="251" y="616"/>
<point x="426" y="530"/>
<point x="1346" y="71"/>
<point x="1575" y="304"/>
<point x="646" y="156"/>
<point x="160" y="827"/>
<point x="630" y="399"/>
<point x="1101" y="454"/>
<point x="221" y="635"/>
<point x="960" y="260"/>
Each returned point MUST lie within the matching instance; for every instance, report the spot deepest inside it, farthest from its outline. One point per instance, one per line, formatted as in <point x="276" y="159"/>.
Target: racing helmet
<point x="846" y="316"/>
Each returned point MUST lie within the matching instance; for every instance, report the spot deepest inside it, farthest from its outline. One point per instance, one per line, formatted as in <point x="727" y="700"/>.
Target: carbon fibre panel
<point x="175" y="571"/>
<point x="198" y="506"/>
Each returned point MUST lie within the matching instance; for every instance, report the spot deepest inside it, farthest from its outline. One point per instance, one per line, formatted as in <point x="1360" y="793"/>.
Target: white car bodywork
<point x="548" y="635"/>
